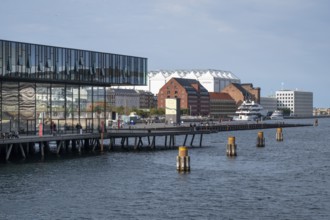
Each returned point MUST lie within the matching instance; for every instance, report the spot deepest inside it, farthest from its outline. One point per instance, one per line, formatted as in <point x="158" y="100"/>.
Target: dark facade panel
<point x="40" y="63"/>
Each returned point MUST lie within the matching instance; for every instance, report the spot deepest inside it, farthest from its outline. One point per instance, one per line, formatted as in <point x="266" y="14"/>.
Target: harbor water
<point x="283" y="180"/>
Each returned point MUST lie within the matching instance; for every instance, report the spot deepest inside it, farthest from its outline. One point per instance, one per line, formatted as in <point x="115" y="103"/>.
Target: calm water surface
<point x="283" y="180"/>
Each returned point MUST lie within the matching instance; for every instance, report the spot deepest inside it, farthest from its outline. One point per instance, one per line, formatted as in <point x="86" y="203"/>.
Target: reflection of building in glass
<point x="212" y="80"/>
<point x="130" y="98"/>
<point x="127" y="98"/>
<point x="40" y="84"/>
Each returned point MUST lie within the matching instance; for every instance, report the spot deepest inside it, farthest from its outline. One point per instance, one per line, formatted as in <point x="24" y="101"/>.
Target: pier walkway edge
<point x="131" y="138"/>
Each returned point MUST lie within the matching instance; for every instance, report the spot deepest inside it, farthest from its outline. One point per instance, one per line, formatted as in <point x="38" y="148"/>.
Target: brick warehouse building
<point x="193" y="96"/>
<point x="222" y="105"/>
<point x="241" y="92"/>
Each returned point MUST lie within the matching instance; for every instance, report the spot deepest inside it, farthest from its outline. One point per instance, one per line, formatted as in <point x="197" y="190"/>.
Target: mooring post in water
<point x="183" y="160"/>
<point x="316" y="122"/>
<point x="231" y="147"/>
<point x="279" y="134"/>
<point x="260" y="139"/>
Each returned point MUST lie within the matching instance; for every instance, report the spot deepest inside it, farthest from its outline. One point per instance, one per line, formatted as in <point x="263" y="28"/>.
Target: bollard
<point x="260" y="139"/>
<point x="40" y="130"/>
<point x="316" y="122"/>
<point x="279" y="134"/>
<point x="183" y="160"/>
<point x="231" y="147"/>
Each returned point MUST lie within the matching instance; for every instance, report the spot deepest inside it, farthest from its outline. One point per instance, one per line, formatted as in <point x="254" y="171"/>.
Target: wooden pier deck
<point x="126" y="139"/>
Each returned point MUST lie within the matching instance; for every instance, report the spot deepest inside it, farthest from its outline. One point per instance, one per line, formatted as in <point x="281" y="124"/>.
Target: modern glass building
<point x="42" y="84"/>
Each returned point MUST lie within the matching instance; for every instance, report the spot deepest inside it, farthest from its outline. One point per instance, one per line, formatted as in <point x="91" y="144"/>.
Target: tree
<point x="184" y="111"/>
<point x="120" y="110"/>
<point x="286" y="111"/>
<point x="161" y="111"/>
<point x="153" y="111"/>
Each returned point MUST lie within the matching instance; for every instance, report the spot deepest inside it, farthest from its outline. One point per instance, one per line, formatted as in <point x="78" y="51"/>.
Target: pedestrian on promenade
<point x="78" y="127"/>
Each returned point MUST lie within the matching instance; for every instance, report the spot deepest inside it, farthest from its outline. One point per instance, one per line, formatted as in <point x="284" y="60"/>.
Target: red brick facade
<point x="193" y="96"/>
<point x="222" y="105"/>
<point x="241" y="92"/>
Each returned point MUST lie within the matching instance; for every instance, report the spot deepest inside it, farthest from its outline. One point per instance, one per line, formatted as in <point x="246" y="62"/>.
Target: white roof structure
<point x="212" y="80"/>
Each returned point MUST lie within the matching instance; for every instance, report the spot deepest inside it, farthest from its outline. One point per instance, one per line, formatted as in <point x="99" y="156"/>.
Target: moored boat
<point x="277" y="115"/>
<point x="249" y="111"/>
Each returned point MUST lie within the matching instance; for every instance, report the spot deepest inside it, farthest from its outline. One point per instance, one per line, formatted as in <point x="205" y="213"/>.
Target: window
<point x="8" y="65"/>
<point x="40" y="67"/>
<point x="20" y="61"/>
<point x="48" y="63"/>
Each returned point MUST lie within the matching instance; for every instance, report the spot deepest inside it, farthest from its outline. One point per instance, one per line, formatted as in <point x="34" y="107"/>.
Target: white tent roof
<point x="196" y="73"/>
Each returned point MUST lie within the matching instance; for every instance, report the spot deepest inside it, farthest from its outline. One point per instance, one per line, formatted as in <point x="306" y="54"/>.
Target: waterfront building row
<point x="224" y="104"/>
<point x="321" y="111"/>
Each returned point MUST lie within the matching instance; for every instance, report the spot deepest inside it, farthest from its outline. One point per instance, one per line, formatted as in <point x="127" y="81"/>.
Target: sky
<point x="273" y="44"/>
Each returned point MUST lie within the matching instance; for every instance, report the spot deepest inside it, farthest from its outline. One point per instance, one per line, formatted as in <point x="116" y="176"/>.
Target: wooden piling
<point x="260" y="139"/>
<point x="183" y="160"/>
<point x="231" y="147"/>
<point x="279" y="134"/>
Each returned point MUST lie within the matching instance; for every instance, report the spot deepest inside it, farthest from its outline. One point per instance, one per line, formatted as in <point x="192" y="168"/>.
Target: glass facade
<point x="44" y="84"/>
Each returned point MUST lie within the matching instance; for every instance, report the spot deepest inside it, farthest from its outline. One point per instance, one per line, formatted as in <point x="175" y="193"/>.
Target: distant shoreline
<point x="310" y="117"/>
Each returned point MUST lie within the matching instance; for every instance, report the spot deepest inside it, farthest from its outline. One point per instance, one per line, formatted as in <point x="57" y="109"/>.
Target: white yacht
<point x="250" y="111"/>
<point x="277" y="115"/>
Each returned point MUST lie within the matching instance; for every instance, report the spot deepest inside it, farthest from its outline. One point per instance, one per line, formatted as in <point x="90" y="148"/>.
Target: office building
<point x="300" y="103"/>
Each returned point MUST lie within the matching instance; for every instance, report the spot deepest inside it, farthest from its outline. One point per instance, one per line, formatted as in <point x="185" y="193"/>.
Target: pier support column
<point x="74" y="145"/>
<point x="185" y="139"/>
<point x="101" y="147"/>
<point x="22" y="151"/>
<point x="112" y="143"/>
<point x="183" y="160"/>
<point x="201" y="140"/>
<point x="165" y="141"/>
<point x="8" y="151"/>
<point x="42" y="150"/>
<point x="153" y="142"/>
<point x="192" y="140"/>
<point x="231" y="147"/>
<point x="260" y="139"/>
